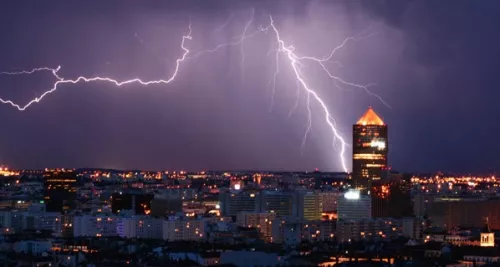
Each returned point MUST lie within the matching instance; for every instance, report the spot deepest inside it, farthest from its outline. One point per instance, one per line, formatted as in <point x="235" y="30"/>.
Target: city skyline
<point x="438" y="81"/>
<point x="249" y="133"/>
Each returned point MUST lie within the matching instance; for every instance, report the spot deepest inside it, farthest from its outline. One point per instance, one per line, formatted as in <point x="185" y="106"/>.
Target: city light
<point x="271" y="217"/>
<point x="352" y="194"/>
<point x="378" y="144"/>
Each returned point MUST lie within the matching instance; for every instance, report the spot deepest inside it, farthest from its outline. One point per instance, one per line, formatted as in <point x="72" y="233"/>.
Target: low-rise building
<point x="32" y="247"/>
<point x="176" y="229"/>
<point x="140" y="227"/>
<point x="260" y="220"/>
<point x="94" y="225"/>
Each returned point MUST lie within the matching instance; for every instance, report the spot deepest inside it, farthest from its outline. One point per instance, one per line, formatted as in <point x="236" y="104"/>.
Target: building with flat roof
<point x="454" y="211"/>
<point x="354" y="206"/>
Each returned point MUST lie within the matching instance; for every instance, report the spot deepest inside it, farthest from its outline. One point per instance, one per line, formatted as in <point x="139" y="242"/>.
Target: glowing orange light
<point x="370" y="118"/>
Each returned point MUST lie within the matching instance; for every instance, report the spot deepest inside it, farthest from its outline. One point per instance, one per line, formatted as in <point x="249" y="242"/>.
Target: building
<point x="287" y="231"/>
<point x="391" y="199"/>
<point x="94" y="225"/>
<point x="257" y="178"/>
<point x="177" y="229"/>
<point x="137" y="203"/>
<point x="49" y="221"/>
<point x="22" y="220"/>
<point x="140" y="227"/>
<point x="32" y="247"/>
<point x="279" y="202"/>
<point x="60" y="191"/>
<point x="161" y="206"/>
<point x="233" y="202"/>
<point x="203" y="258"/>
<point x="354" y="206"/>
<point x="385" y="228"/>
<point x="413" y="227"/>
<point x="261" y="221"/>
<point x="180" y="193"/>
<point x="422" y="203"/>
<point x="327" y="229"/>
<point x="236" y="184"/>
<point x="487" y="236"/>
<point x="37" y="207"/>
<point x="67" y="225"/>
<point x="249" y="258"/>
<point x="453" y="211"/>
<point x="330" y="200"/>
<point x="309" y="205"/>
<point x="370" y="150"/>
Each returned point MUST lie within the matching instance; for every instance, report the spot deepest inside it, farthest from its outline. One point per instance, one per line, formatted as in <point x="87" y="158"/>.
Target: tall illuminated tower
<point x="370" y="149"/>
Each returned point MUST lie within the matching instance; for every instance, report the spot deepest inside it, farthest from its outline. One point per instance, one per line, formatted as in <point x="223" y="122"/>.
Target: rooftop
<point x="370" y="118"/>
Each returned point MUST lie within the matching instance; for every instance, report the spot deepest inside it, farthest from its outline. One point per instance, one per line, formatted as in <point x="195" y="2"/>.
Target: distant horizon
<point x="244" y="171"/>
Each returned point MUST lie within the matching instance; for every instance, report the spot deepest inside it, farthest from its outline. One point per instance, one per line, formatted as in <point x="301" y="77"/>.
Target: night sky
<point x="437" y="64"/>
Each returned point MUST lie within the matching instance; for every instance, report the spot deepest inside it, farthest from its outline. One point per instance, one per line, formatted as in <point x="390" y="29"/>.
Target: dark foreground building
<point x="137" y="203"/>
<point x="391" y="198"/>
<point x="60" y="190"/>
<point x="370" y="149"/>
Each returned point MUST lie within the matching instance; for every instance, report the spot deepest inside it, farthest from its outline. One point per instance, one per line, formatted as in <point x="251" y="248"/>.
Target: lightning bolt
<point x="26" y="72"/>
<point x="338" y="80"/>
<point x="297" y="97"/>
<point x="243" y="37"/>
<point x="309" y="122"/>
<point x="273" y="81"/>
<point x="288" y="53"/>
<point x="60" y="80"/>
<point x="294" y="61"/>
<point x="236" y="41"/>
<point x="223" y="25"/>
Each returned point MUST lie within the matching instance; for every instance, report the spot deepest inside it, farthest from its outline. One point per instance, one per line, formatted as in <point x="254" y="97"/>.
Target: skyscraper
<point x="370" y="149"/>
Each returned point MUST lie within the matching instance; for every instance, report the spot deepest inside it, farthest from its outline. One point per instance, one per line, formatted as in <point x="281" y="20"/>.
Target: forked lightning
<point x="287" y="51"/>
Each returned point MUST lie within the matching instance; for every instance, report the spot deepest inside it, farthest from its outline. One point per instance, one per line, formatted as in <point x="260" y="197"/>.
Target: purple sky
<point x="435" y="62"/>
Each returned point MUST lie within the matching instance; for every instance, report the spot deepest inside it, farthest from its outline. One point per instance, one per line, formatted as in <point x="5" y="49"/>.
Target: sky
<point x="435" y="64"/>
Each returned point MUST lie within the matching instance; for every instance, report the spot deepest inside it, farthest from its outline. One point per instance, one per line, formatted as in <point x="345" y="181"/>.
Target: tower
<point x="370" y="149"/>
<point x="487" y="236"/>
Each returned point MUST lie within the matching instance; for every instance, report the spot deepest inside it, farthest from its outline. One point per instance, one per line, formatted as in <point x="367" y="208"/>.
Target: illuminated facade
<point x="94" y="225"/>
<point x="309" y="205"/>
<point x="176" y="229"/>
<point x="370" y="149"/>
<point x="139" y="227"/>
<point x="354" y="206"/>
<point x="487" y="236"/>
